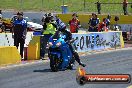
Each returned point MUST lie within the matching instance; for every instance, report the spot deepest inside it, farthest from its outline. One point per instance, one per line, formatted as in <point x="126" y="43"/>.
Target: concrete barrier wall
<point x="98" y="41"/>
<point x="85" y="42"/>
<point x="33" y="50"/>
<point x="84" y="19"/>
<point x="9" y="55"/>
<point x="4" y="41"/>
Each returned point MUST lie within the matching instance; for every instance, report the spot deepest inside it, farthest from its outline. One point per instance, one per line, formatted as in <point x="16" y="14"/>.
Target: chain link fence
<point x="84" y="6"/>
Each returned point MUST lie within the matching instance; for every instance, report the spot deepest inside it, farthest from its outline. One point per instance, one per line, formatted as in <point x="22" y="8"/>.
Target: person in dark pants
<point x="125" y="7"/>
<point x="20" y="31"/>
<point x="48" y="31"/>
<point x="93" y="23"/>
<point x="98" y="7"/>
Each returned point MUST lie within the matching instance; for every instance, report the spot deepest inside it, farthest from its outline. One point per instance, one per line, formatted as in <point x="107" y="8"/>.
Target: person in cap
<point x="43" y="19"/>
<point x="48" y="31"/>
<point x="19" y="32"/>
<point x="93" y="23"/>
<point x="74" y="23"/>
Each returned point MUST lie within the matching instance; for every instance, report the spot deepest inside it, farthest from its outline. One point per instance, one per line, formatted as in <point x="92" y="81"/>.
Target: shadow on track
<point x="49" y="70"/>
<point x="44" y="70"/>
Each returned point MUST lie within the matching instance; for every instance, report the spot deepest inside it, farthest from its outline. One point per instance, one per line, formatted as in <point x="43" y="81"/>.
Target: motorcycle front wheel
<point x="54" y="64"/>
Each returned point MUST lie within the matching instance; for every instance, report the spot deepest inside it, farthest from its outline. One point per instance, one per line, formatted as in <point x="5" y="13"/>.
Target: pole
<point x="63" y="7"/>
<point x="84" y="4"/>
<point x="42" y="4"/>
<point x="63" y="2"/>
<point x="21" y="4"/>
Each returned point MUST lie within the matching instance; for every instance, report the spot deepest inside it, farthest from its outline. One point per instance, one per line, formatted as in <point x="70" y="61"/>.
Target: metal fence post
<point x="42" y="4"/>
<point x="84" y="4"/>
<point x="63" y="2"/>
<point x="21" y="3"/>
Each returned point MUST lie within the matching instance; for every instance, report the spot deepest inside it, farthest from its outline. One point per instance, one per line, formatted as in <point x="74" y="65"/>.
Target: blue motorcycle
<point x="60" y="55"/>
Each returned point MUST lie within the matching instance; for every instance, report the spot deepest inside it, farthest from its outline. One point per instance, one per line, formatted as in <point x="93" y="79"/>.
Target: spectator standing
<point x="1" y="13"/>
<point x="125" y="7"/>
<point x="108" y="21"/>
<point x="74" y="24"/>
<point x="20" y="31"/>
<point x="0" y="16"/>
<point x="102" y="26"/>
<point x="116" y="26"/>
<point x="1" y="24"/>
<point x="43" y="19"/>
<point x="93" y="23"/>
<point x="98" y="7"/>
<point x="48" y="31"/>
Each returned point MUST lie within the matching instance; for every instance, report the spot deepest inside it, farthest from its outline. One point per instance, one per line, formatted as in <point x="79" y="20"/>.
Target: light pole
<point x="21" y="4"/>
<point x="42" y="4"/>
<point x="84" y="4"/>
<point x="63" y="2"/>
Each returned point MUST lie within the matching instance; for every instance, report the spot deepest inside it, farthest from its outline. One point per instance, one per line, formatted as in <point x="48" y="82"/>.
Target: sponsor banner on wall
<point x="6" y="39"/>
<point x="96" y="41"/>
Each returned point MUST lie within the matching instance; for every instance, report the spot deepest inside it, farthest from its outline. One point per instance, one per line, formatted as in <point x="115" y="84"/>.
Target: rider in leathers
<point x="62" y="27"/>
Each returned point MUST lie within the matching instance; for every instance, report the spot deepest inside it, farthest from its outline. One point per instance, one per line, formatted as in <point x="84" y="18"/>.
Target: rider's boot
<point x="78" y="59"/>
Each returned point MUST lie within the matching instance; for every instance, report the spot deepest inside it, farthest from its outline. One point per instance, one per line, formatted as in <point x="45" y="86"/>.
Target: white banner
<point x="97" y="41"/>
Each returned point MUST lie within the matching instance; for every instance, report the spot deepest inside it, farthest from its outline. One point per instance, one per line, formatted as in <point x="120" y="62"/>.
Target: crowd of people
<point x="96" y="26"/>
<point x="94" y="23"/>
